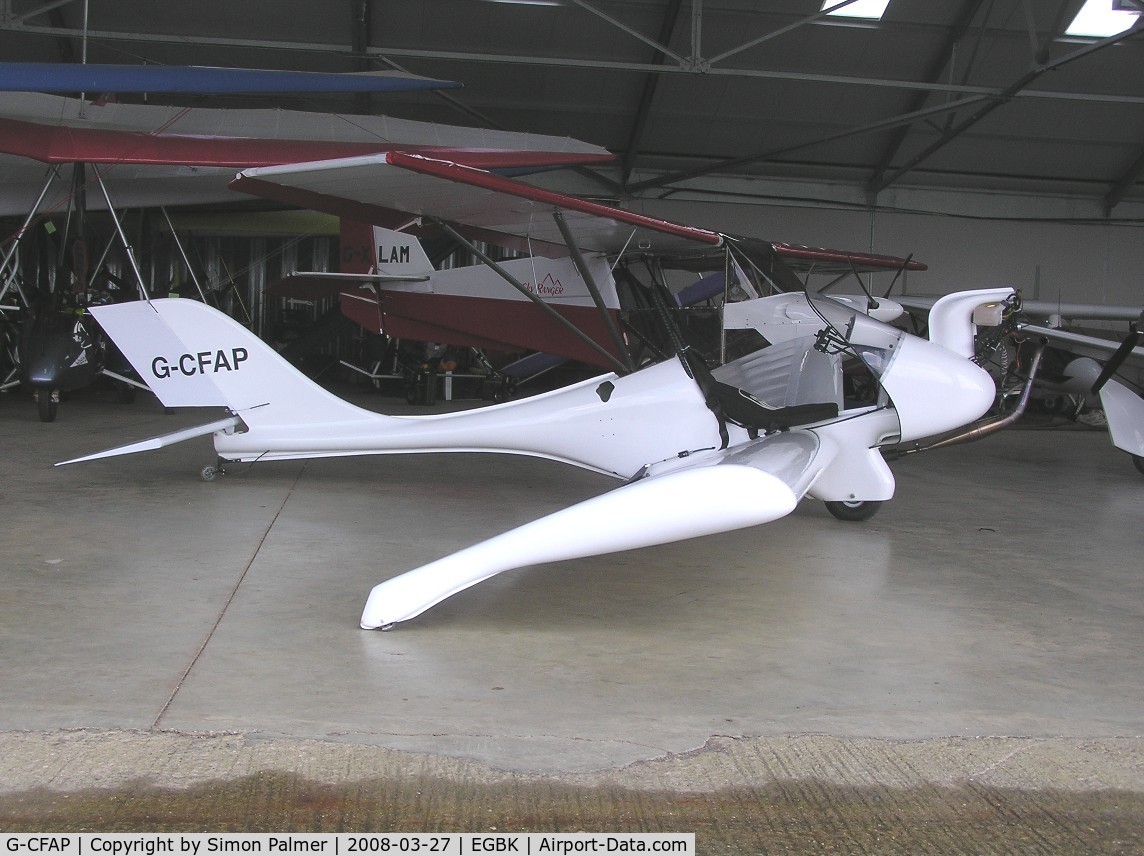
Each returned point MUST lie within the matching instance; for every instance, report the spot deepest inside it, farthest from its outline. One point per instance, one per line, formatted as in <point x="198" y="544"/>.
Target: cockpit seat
<point x="729" y="403"/>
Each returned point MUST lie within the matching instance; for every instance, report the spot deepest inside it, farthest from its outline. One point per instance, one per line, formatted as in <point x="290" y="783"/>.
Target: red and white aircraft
<point x="812" y="388"/>
<point x="563" y="297"/>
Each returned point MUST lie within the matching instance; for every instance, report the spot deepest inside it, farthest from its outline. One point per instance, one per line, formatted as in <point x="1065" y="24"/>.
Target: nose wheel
<point x="854" y="509"/>
<point x="48" y="404"/>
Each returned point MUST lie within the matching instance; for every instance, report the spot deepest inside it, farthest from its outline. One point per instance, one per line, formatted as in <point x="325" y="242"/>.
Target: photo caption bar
<point x="345" y="843"/>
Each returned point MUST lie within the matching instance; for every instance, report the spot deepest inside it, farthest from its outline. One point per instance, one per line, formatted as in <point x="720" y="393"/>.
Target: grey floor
<point x="1000" y="593"/>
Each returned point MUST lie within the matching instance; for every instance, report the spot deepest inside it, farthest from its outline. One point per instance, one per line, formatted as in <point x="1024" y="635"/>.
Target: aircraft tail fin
<point x="192" y="355"/>
<point x="367" y="249"/>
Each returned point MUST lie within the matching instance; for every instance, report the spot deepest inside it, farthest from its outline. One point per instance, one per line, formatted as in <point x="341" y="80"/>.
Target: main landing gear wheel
<point x="1138" y="460"/>
<point x="212" y="471"/>
<point x="854" y="509"/>
<point x="48" y="402"/>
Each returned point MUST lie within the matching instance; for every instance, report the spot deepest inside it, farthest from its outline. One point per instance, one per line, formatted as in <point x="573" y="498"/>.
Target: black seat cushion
<point x="731" y="404"/>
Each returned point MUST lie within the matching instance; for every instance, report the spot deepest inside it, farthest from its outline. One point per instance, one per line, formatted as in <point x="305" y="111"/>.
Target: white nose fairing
<point x="934" y="390"/>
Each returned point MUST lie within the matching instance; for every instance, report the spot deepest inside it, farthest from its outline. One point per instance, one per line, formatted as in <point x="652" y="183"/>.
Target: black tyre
<point x="125" y="393"/>
<point x="48" y="405"/>
<point x="854" y="509"/>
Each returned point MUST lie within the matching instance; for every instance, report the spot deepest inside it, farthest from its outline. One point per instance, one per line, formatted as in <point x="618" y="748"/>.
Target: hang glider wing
<point x="51" y="129"/>
<point x="506" y="212"/>
<point x="167" y="155"/>
<point x="68" y="144"/>
<point x="200" y="80"/>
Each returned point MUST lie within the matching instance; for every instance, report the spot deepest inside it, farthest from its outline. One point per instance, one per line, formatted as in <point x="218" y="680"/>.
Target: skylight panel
<point x="1100" y="19"/>
<point x="874" y="9"/>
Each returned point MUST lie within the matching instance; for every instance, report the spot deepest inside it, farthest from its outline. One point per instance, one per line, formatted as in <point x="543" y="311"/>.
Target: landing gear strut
<point x="209" y="473"/>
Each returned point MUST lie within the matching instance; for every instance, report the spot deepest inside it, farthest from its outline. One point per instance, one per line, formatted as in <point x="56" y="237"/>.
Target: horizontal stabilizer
<point x="362" y="278"/>
<point x="307" y="285"/>
<point x="161" y="441"/>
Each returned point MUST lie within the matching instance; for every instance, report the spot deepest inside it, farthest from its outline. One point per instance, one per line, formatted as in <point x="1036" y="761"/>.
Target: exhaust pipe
<point x="985" y="427"/>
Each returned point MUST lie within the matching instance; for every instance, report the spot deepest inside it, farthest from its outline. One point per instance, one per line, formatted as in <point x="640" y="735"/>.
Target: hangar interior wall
<point x="1096" y="261"/>
<point x="1085" y="260"/>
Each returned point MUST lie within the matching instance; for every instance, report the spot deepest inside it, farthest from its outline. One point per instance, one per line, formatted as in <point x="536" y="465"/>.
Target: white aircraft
<point x="699" y="451"/>
<point x="1089" y="364"/>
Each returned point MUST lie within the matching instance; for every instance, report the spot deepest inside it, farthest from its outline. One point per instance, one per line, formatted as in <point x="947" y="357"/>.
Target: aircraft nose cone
<point x="935" y="390"/>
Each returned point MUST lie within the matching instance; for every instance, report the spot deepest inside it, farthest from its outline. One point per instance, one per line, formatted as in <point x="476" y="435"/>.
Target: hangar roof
<point x="979" y="95"/>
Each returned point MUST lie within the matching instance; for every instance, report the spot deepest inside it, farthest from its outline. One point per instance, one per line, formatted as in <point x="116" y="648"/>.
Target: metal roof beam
<point x="809" y="19"/>
<point x="1130" y="177"/>
<point x="1010" y="92"/>
<point x="359" y="44"/>
<point x="732" y="163"/>
<point x="647" y="97"/>
<point x="385" y="55"/>
<point x="619" y="25"/>
<point x="942" y="58"/>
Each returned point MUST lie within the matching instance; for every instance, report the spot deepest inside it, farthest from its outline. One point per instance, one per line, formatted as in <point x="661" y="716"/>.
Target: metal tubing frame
<point x="183" y="253"/>
<point x="122" y="236"/>
<point x="52" y="175"/>
<point x="593" y="289"/>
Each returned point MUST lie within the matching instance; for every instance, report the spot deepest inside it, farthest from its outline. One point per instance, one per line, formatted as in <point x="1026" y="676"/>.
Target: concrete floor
<point x="1000" y="594"/>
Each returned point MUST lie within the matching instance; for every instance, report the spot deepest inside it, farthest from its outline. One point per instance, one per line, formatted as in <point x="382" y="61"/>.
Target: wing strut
<point x="128" y="249"/>
<point x="515" y="283"/>
<point x="51" y="175"/>
<point x="593" y="289"/>
<point x="183" y="253"/>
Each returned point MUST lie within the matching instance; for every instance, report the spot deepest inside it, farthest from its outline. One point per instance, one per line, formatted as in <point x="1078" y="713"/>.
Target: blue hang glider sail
<point x="203" y="80"/>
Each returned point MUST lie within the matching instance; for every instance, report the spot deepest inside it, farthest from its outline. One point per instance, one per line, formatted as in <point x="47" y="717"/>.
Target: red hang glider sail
<point x="67" y="144"/>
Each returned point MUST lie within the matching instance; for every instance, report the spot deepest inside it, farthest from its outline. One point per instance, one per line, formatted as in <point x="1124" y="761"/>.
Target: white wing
<point x="756" y="483"/>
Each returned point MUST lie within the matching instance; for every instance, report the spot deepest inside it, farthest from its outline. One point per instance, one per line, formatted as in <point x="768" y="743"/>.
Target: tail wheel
<point x="854" y="509"/>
